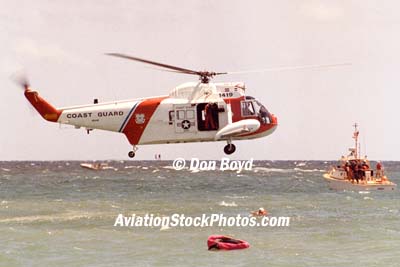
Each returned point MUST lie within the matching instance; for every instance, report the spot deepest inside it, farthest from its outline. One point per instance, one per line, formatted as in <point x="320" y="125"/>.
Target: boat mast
<point x="355" y="136"/>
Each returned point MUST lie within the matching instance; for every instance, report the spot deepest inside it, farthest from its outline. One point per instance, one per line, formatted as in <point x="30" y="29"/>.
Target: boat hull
<point x="344" y="184"/>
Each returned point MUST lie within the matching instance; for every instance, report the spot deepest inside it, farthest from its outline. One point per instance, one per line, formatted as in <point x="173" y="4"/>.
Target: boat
<point x="354" y="173"/>
<point x="97" y="166"/>
<point x="221" y="242"/>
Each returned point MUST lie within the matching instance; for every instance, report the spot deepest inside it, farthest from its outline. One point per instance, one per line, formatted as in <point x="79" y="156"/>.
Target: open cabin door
<point x="208" y="116"/>
<point x="184" y="118"/>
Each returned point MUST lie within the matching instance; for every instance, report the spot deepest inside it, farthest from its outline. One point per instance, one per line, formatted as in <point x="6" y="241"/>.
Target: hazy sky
<point x="60" y="45"/>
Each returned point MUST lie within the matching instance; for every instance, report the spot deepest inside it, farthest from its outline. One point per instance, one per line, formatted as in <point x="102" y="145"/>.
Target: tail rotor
<point x="21" y="79"/>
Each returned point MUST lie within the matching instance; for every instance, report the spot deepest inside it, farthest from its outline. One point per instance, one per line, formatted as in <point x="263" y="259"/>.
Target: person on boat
<point x="346" y="167"/>
<point x="350" y="175"/>
<point x="361" y="172"/>
<point x="379" y="170"/>
<point x="259" y="212"/>
<point x="356" y="173"/>
<point x="353" y="172"/>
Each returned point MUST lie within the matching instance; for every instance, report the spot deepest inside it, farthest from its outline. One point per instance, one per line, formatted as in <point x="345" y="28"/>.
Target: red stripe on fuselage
<point x="134" y="128"/>
<point x="235" y="107"/>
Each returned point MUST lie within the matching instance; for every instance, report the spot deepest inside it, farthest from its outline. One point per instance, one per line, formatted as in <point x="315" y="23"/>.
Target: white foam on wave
<point x="264" y="169"/>
<point x="228" y="204"/>
<point x="237" y="197"/>
<point x="63" y="217"/>
<point x="308" y="170"/>
<point x="130" y="167"/>
<point x="110" y="168"/>
<point x="164" y="228"/>
<point x="169" y="167"/>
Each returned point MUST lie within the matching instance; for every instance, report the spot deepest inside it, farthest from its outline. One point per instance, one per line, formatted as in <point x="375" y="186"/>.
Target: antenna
<point x="355" y="136"/>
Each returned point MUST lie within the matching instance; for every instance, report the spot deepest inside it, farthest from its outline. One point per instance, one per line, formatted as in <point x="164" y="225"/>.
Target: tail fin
<point x="46" y="110"/>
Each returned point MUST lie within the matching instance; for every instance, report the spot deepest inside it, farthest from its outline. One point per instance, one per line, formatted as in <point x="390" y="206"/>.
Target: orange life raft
<point x="225" y="243"/>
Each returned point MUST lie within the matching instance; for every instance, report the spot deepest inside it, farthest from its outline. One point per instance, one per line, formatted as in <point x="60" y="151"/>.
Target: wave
<point x="168" y="167"/>
<point x="237" y="197"/>
<point x="62" y="217"/>
<point x="308" y="170"/>
<point x="264" y="169"/>
<point x="228" y="204"/>
<point x="130" y="167"/>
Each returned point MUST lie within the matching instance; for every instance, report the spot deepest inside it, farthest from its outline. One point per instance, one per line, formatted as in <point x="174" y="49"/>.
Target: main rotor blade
<point x="177" y="69"/>
<point x="290" y="68"/>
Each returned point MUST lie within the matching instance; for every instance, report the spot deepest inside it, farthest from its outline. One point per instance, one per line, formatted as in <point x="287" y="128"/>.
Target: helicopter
<point x="192" y="112"/>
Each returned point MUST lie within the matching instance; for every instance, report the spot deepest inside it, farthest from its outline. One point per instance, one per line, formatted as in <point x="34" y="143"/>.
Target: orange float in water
<point x="220" y="242"/>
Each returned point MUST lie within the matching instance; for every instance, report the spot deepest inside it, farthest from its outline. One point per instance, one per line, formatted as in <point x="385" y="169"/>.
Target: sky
<point x="60" y="46"/>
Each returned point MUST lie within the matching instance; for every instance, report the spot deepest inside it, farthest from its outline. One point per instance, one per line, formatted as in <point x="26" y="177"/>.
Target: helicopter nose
<point x="274" y="119"/>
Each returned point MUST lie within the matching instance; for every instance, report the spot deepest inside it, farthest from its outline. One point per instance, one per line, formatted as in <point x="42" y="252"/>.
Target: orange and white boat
<point x="97" y="166"/>
<point x="355" y="173"/>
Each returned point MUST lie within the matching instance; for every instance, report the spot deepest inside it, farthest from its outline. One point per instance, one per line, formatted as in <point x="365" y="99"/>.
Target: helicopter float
<point x="192" y="112"/>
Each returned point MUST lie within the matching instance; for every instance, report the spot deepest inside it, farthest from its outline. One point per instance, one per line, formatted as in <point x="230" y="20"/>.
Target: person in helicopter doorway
<point x="209" y="113"/>
<point x="214" y="112"/>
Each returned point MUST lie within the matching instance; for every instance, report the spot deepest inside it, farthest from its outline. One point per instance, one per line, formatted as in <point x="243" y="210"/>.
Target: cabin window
<point x="171" y="116"/>
<point x="190" y="114"/>
<point x="181" y="114"/>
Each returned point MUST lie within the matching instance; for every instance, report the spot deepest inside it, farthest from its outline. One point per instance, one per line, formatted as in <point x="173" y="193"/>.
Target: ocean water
<point x="59" y="214"/>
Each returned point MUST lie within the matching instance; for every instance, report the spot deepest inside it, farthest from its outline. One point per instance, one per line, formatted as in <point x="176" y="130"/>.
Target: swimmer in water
<point x="259" y="212"/>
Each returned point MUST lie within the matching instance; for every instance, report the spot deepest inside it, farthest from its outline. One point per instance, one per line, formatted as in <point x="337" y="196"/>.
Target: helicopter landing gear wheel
<point x="229" y="149"/>
<point x="132" y="153"/>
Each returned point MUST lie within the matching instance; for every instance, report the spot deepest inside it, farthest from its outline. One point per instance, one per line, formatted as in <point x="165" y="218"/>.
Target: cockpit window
<point x="252" y="107"/>
<point x="248" y="108"/>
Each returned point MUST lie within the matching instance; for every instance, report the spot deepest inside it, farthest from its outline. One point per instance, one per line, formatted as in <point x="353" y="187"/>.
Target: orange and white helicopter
<point x="192" y="112"/>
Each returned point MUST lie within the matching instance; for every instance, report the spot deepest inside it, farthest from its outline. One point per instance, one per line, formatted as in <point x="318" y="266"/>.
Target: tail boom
<point x="45" y="109"/>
